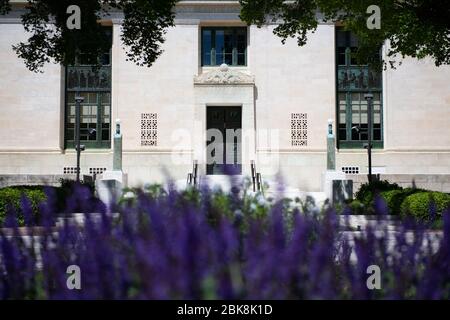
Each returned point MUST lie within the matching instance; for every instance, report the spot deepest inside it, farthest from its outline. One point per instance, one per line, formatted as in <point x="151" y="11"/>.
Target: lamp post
<point x="369" y="99"/>
<point x="78" y="100"/>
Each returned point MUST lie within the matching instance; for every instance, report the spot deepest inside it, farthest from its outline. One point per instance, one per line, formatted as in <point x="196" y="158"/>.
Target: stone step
<point x="361" y="222"/>
<point x="273" y="190"/>
<point x="374" y="217"/>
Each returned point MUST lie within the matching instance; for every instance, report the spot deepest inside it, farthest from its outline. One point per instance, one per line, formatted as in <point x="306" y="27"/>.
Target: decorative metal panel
<point x="299" y="129"/>
<point x="88" y="78"/>
<point x="95" y="119"/>
<point x="350" y="170"/>
<point x="70" y="170"/>
<point x="96" y="171"/>
<point x="358" y="78"/>
<point x="149" y="129"/>
<point x="353" y="81"/>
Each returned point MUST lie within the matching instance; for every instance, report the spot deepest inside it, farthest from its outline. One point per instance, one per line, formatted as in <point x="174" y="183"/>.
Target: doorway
<point x="224" y="140"/>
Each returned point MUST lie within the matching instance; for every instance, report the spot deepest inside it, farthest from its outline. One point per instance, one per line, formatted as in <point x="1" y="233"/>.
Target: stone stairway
<point x="272" y="187"/>
<point x="361" y="222"/>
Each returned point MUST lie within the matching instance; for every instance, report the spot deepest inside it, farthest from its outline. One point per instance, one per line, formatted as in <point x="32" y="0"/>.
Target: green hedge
<point x="358" y="207"/>
<point x="395" y="198"/>
<point x="11" y="196"/>
<point x="367" y="192"/>
<point x="36" y="194"/>
<point x="418" y="204"/>
<point x="405" y="202"/>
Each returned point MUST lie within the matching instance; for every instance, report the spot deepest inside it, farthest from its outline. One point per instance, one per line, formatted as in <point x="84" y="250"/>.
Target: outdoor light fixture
<point x="369" y="99"/>
<point x="78" y="147"/>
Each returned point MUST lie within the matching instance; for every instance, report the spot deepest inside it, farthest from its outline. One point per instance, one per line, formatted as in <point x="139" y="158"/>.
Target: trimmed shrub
<point x="11" y="197"/>
<point x="420" y="205"/>
<point x="156" y="249"/>
<point x="358" y="207"/>
<point x="68" y="185"/>
<point x="66" y="189"/>
<point x="395" y="198"/>
<point x="367" y="192"/>
<point x="64" y="196"/>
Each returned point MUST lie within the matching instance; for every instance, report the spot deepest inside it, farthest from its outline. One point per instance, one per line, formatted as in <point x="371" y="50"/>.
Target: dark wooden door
<point x="226" y="157"/>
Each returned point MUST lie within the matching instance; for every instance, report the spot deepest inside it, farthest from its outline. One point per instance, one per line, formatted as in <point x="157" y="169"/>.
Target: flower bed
<point x="204" y="245"/>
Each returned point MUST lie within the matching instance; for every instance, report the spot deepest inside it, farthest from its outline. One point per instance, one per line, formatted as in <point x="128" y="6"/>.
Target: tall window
<point x="224" y="45"/>
<point x="94" y="84"/>
<point x="353" y="81"/>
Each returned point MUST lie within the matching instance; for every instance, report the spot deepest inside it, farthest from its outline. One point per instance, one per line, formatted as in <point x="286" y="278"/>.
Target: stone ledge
<point x="26" y="231"/>
<point x="8" y="180"/>
<point x="434" y="182"/>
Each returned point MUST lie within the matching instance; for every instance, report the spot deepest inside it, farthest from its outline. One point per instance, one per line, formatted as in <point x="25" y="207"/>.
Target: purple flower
<point x="172" y="246"/>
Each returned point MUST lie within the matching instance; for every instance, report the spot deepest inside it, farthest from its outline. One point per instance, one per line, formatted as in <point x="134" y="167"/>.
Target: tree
<point x="4" y="6"/>
<point x="415" y="28"/>
<point x="51" y="40"/>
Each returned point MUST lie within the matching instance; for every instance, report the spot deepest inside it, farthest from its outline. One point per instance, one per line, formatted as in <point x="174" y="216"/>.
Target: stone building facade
<point x="218" y="73"/>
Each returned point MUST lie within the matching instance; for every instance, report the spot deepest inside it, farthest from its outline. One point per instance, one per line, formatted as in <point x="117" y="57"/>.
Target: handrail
<point x="253" y="170"/>
<point x="192" y="177"/>
<point x="259" y="181"/>
<point x="256" y="177"/>
<point x="195" y="171"/>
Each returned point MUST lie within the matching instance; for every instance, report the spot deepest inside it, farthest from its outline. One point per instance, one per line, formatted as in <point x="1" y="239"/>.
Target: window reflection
<point x="224" y="45"/>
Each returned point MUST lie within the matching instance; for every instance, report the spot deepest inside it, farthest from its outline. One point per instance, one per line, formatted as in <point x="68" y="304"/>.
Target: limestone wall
<point x="288" y="79"/>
